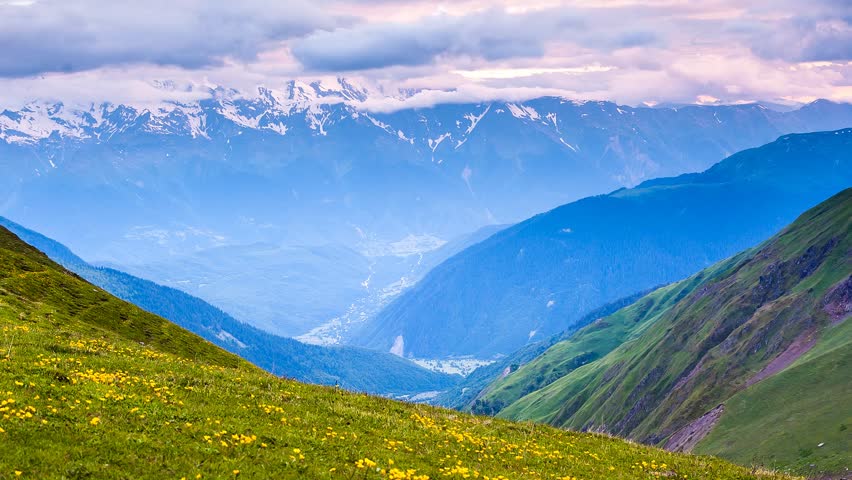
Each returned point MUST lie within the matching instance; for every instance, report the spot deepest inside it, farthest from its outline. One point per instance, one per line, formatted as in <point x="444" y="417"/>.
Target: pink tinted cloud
<point x="670" y="51"/>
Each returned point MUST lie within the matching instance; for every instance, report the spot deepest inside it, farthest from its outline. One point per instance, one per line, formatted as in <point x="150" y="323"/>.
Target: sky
<point x="632" y="52"/>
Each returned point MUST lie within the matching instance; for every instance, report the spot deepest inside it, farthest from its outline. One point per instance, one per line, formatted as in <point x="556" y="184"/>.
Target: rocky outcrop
<point x="838" y="302"/>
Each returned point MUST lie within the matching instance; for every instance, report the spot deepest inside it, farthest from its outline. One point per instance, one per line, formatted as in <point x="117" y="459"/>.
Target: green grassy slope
<point x="341" y="366"/>
<point x="675" y="364"/>
<point x="585" y="346"/>
<point x="777" y="422"/>
<point x="467" y="394"/>
<point x="35" y="287"/>
<point x="93" y="387"/>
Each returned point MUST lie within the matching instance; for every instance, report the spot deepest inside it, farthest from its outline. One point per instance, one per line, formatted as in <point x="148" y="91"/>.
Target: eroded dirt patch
<point x="800" y="345"/>
<point x="685" y="439"/>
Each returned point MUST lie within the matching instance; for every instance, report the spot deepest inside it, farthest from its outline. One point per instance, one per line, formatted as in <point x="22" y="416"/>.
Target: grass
<point x="342" y="366"/>
<point x="669" y="358"/>
<point x="775" y="424"/>
<point x="564" y="381"/>
<point x="92" y="387"/>
<point x="585" y="346"/>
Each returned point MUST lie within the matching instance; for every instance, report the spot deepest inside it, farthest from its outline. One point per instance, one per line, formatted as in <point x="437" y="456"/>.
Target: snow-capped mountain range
<point x="320" y="195"/>
<point x="265" y="109"/>
<point x="319" y="107"/>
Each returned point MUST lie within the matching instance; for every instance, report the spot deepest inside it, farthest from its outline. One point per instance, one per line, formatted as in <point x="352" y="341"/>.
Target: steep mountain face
<point x="468" y="393"/>
<point x="594" y="341"/>
<point x="541" y="276"/>
<point x="343" y="366"/>
<point x="306" y="180"/>
<point x="94" y="387"/>
<point x="749" y="359"/>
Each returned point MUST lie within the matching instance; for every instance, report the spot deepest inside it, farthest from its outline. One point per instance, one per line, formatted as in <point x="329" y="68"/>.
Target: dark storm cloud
<point x="807" y="40"/>
<point x="822" y="31"/>
<point x="76" y="35"/>
<point x="492" y="35"/>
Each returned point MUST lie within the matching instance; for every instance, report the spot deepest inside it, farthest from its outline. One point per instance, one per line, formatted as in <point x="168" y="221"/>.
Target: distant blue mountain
<point x="351" y="368"/>
<point x="326" y="204"/>
<point x="542" y="275"/>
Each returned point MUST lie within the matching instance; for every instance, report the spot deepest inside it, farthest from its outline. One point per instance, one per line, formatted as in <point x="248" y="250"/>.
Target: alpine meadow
<point x="420" y="240"/>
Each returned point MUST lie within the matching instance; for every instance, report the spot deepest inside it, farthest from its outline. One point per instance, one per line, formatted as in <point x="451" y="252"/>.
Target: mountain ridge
<point x="162" y="191"/>
<point x="669" y="368"/>
<point x="539" y="276"/>
<point x="41" y="119"/>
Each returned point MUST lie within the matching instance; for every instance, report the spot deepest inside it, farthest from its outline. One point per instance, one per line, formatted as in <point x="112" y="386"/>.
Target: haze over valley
<point x="413" y="240"/>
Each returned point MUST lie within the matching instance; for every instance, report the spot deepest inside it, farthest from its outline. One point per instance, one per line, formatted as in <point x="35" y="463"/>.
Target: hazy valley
<point x="419" y="240"/>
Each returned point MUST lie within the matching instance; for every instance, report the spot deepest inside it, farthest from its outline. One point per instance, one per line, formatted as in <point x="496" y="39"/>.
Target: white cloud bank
<point x="461" y="51"/>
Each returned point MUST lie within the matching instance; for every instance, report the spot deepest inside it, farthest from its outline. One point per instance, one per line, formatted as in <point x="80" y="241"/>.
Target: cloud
<point x="507" y="73"/>
<point x="493" y="34"/>
<point x="631" y="51"/>
<point x="796" y="31"/>
<point x="806" y="40"/>
<point x="71" y="36"/>
<point x="463" y="94"/>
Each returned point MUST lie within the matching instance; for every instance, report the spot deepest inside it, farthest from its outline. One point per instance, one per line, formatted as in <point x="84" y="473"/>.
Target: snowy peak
<point x="319" y="91"/>
<point x="316" y="105"/>
<point x="340" y="88"/>
<point x="265" y="109"/>
<point x="337" y="107"/>
<point x="38" y="120"/>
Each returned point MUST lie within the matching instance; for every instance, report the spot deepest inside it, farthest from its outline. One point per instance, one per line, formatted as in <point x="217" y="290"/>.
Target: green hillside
<point x="542" y="276"/>
<point x="467" y="394"/>
<point x="587" y="345"/>
<point x="763" y="334"/>
<point x="93" y="387"/>
<point x="340" y="366"/>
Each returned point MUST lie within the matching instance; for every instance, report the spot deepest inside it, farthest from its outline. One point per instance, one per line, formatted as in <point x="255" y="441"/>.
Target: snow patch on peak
<point x="523" y="111"/>
<point x="230" y="111"/>
<point x="196" y="119"/>
<point x="552" y="118"/>
<point x="264" y="109"/>
<point x="572" y="147"/>
<point x="384" y="126"/>
<point x="317" y="121"/>
<point x="401" y="135"/>
<point x="434" y="142"/>
<point x="39" y="120"/>
<point x="474" y="120"/>
<point x="278" y="128"/>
